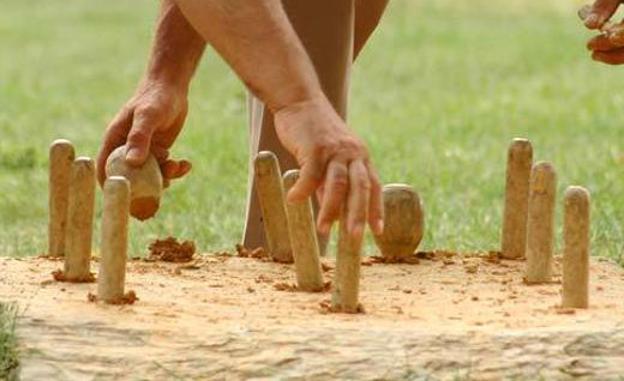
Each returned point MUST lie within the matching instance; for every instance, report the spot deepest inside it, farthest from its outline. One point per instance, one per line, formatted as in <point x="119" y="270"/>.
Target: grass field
<point x="438" y="94"/>
<point x="8" y="343"/>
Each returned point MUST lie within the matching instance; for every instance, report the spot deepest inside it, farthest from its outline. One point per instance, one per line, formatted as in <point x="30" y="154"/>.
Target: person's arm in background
<point x="154" y="116"/>
<point x="259" y="43"/>
<point x="607" y="47"/>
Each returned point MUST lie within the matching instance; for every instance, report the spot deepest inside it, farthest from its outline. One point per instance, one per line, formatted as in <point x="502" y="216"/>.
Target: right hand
<point x="149" y="122"/>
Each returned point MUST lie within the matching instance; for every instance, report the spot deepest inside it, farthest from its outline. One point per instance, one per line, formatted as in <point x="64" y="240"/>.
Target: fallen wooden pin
<point x="146" y="182"/>
<point x="403" y="223"/>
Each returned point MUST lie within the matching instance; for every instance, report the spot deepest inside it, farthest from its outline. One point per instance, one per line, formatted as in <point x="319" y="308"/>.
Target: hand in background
<point x="608" y="47"/>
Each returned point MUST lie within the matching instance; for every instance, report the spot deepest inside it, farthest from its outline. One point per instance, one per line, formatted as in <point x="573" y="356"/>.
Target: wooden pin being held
<point x="146" y="182"/>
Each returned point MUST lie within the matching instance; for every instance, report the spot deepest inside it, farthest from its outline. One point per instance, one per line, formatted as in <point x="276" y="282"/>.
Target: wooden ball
<point x="146" y="182"/>
<point x="403" y="222"/>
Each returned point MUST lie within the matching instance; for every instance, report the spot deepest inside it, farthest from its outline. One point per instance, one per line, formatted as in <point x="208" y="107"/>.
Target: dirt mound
<point x="226" y="317"/>
<point x="170" y="250"/>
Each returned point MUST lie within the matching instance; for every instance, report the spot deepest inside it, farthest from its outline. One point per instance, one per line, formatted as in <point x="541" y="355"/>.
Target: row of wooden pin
<point x="529" y="224"/>
<point x="291" y="234"/>
<point x="72" y="184"/>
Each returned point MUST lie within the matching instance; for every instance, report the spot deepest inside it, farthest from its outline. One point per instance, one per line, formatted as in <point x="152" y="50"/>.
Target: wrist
<point x="315" y="113"/>
<point x="162" y="80"/>
<point x="299" y="101"/>
<point x="167" y="77"/>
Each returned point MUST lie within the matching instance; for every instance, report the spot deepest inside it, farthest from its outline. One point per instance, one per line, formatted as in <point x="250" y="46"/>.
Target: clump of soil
<point x="410" y="260"/>
<point x="129" y="297"/>
<point x="291" y="287"/>
<point x="59" y="276"/>
<point x="326" y="307"/>
<point x="170" y="250"/>
<point x="325" y="267"/>
<point x="284" y="286"/>
<point x="257" y="253"/>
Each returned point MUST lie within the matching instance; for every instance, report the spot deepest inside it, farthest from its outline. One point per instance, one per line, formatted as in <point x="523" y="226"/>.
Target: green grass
<point x="438" y="94"/>
<point x="8" y="342"/>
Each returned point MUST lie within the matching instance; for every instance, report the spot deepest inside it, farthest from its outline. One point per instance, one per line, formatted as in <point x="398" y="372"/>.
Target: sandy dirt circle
<point x="224" y="317"/>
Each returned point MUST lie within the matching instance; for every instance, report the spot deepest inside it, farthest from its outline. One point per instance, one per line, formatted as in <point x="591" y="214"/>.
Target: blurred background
<point x="438" y="94"/>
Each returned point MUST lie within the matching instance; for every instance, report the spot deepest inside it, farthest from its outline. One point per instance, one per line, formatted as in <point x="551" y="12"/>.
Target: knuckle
<point x="353" y="147"/>
<point x="363" y="183"/>
<point x="340" y="183"/>
<point x="326" y="148"/>
<point x="138" y="134"/>
<point x="149" y="111"/>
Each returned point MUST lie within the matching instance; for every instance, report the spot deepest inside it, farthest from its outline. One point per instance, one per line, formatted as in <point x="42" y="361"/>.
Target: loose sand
<point x="227" y="317"/>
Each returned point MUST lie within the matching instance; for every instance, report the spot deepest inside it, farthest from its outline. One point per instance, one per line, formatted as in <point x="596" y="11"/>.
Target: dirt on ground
<point x="231" y="316"/>
<point x="170" y="250"/>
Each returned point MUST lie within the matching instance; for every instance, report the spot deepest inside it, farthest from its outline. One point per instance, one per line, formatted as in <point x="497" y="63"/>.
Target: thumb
<point x="139" y="138"/>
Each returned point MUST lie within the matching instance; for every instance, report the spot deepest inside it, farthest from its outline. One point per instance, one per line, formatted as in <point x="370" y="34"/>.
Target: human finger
<point x="358" y="198"/>
<point x="615" y="33"/>
<point x="597" y="14"/>
<point x="173" y="169"/>
<point x="612" y="57"/>
<point x="600" y="43"/>
<point x="375" y="209"/>
<point x="144" y="123"/>
<point x="311" y="177"/>
<point x="336" y="189"/>
<point x="114" y="136"/>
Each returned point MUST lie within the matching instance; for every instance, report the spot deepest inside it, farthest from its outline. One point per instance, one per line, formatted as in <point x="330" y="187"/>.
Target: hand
<point x="607" y="47"/>
<point x="149" y="122"/>
<point x="334" y="162"/>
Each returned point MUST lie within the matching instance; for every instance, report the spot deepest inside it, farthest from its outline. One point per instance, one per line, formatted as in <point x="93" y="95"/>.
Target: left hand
<point x="607" y="47"/>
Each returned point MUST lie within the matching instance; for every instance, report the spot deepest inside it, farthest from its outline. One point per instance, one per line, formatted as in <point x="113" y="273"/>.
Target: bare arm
<point x="177" y="47"/>
<point x="153" y="117"/>
<point x="258" y="41"/>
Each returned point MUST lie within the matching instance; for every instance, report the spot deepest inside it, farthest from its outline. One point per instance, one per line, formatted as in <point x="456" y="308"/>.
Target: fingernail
<point x="291" y="197"/>
<point x="357" y="231"/>
<point x="133" y="155"/>
<point x="379" y="227"/>
<point x="591" y="19"/>
<point x="323" y="228"/>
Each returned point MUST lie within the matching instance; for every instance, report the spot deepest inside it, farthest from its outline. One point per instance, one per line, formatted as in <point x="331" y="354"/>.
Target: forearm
<point x="177" y="48"/>
<point x="258" y="42"/>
